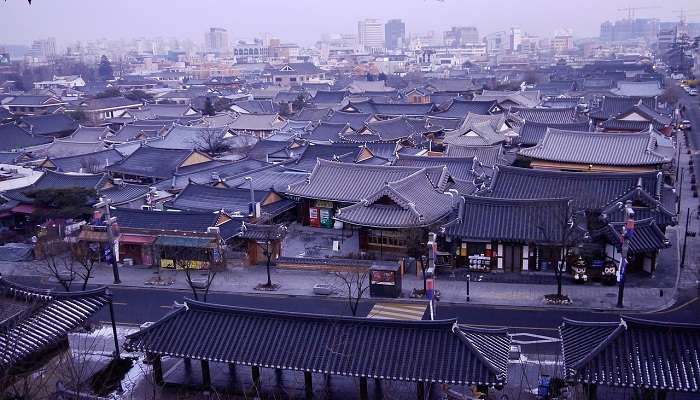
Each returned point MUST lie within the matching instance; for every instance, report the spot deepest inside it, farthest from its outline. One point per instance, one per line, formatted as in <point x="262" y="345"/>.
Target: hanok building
<point x="407" y="131"/>
<point x="460" y="108"/>
<point x="480" y="130"/>
<point x="588" y="152"/>
<point x="99" y="110"/>
<point x="511" y="235"/>
<point x="531" y="133"/>
<point x="638" y="118"/>
<point x="389" y="109"/>
<point x="650" y="358"/>
<point x="383" y="203"/>
<point x="261" y="126"/>
<point x="33" y="105"/>
<point x="611" y="106"/>
<point x="546" y="115"/>
<point x="440" y="351"/>
<point x="506" y="99"/>
<point x="51" y="125"/>
<point x="150" y="164"/>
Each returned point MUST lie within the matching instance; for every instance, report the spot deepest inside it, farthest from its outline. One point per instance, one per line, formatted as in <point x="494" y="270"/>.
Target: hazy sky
<point x="303" y="21"/>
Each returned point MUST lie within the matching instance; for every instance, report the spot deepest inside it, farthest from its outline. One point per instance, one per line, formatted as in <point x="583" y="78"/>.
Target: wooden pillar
<point x="364" y="395"/>
<point x="420" y="390"/>
<point x="157" y="371"/>
<point x="255" y="371"/>
<point x="206" y="375"/>
<point x="308" y="384"/>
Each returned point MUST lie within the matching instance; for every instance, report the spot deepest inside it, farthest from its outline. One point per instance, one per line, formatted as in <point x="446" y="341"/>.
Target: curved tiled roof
<point x="596" y="148"/>
<point x="350" y="183"/>
<point x="590" y="190"/>
<point x="545" y="115"/>
<point x="413" y="202"/>
<point x="632" y="353"/>
<point x="512" y="220"/>
<point x="532" y="133"/>
<point x="425" y="351"/>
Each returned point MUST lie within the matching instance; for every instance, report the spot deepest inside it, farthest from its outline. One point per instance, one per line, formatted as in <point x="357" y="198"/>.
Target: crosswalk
<point x="401" y="311"/>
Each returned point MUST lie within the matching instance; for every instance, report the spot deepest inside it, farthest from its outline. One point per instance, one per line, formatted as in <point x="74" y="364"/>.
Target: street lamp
<point x="627" y="233"/>
<point x="104" y="202"/>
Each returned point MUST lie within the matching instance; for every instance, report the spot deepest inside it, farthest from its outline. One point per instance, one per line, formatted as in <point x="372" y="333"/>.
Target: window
<point x="293" y="79"/>
<point x="383" y="278"/>
<point x="385" y="238"/>
<point x="278" y="79"/>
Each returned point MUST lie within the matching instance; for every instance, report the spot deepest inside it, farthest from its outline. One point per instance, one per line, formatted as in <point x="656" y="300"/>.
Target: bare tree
<point x="355" y="284"/>
<point x="417" y="247"/>
<point x="87" y="258"/>
<point x="271" y="234"/>
<point x="212" y="141"/>
<point x="56" y="261"/>
<point x="192" y="262"/>
<point x="558" y="231"/>
<point x="90" y="165"/>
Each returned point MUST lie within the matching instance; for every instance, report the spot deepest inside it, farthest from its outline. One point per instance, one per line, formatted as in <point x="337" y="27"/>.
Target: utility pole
<point x="109" y="222"/>
<point x="627" y="233"/>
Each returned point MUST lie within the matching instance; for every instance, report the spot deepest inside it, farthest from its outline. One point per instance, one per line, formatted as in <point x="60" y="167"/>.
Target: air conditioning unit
<point x="213" y="229"/>
<point x="146" y="207"/>
<point x="118" y="181"/>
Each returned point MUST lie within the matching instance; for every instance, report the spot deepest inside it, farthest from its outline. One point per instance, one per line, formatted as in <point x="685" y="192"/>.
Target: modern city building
<point x="370" y="33"/>
<point x="461" y="35"/>
<point x="216" y="40"/>
<point x="44" y="47"/>
<point x="394" y="34"/>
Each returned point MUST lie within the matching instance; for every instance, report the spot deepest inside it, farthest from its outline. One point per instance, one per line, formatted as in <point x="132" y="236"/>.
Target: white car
<point x="693" y="92"/>
<point x="685" y="125"/>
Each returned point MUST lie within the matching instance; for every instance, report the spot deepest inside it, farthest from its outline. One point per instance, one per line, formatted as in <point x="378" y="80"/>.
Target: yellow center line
<point x="687" y="303"/>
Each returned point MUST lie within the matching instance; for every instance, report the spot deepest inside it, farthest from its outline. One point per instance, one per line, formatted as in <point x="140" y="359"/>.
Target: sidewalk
<point x="300" y="283"/>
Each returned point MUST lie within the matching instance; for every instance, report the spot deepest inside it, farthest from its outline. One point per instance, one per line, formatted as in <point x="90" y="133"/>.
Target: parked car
<point x="693" y="92"/>
<point x="685" y="125"/>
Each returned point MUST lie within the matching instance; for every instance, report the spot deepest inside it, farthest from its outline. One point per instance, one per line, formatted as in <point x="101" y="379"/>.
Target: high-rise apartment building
<point x="44" y="47"/>
<point x="394" y="34"/>
<point x="370" y="33"/>
<point x="461" y="35"/>
<point x="216" y="40"/>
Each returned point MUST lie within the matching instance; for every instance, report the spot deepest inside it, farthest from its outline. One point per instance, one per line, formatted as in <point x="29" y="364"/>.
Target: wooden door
<point x="512" y="258"/>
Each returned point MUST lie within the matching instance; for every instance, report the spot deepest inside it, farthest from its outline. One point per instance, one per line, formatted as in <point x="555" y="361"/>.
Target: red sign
<point x="314" y="217"/>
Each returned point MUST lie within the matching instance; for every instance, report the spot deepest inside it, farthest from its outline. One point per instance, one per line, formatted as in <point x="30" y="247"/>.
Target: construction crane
<point x="631" y="10"/>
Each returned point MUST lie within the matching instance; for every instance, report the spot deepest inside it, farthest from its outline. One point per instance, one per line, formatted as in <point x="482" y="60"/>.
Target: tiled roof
<point x="542" y="221"/>
<point x="428" y="351"/>
<point x="216" y="172"/>
<point x="308" y="159"/>
<point x="614" y="105"/>
<point x="390" y="109"/>
<point x="356" y="120"/>
<point x="532" y="133"/>
<point x="477" y="134"/>
<point x="588" y="191"/>
<point x="257" y="122"/>
<point x="518" y="98"/>
<point x="277" y="178"/>
<point x="257" y="106"/>
<point x="398" y="128"/>
<point x="486" y="155"/>
<point x="195" y="197"/>
<point x="647" y="236"/>
<point x="460" y="108"/>
<point x="328" y="132"/>
<point x="185" y="221"/>
<point x="124" y="193"/>
<point x="562" y="102"/>
<point x="350" y="183"/>
<point x="13" y="137"/>
<point x="458" y="167"/>
<point x="312" y="114"/>
<point x="326" y="97"/>
<point x="137" y="131"/>
<point x="545" y="115"/>
<point x="412" y="201"/>
<point x="187" y="137"/>
<point x="632" y="353"/>
<point x="49" y="125"/>
<point x="452" y="85"/>
<point x="151" y="162"/>
<point x="444" y="123"/>
<point x="96" y="161"/>
<point x="61" y="180"/>
<point x="43" y="320"/>
<point x="108" y="103"/>
<point x="596" y="148"/>
<point x="89" y="134"/>
<point x="68" y="147"/>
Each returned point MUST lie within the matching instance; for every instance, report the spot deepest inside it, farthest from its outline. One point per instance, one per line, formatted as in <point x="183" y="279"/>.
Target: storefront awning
<point x="128" y="238"/>
<point x="24" y="209"/>
<point x="186" y="241"/>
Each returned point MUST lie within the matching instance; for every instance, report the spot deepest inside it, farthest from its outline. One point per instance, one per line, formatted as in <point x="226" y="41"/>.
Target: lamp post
<point x="469" y="277"/>
<point x="627" y="233"/>
<point x="685" y="237"/>
<point x="104" y="202"/>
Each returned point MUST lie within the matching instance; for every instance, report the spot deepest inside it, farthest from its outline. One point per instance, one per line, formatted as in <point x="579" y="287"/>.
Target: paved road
<point x="137" y="305"/>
